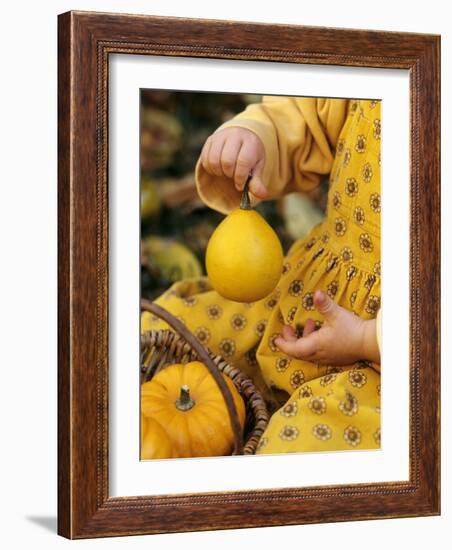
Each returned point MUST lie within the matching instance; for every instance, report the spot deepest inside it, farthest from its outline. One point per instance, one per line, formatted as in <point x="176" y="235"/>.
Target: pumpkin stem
<point x="245" y="203"/>
<point x="185" y="402"/>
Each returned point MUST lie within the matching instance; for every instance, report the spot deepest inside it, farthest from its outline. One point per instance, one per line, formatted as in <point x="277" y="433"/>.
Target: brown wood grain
<point x="64" y="296"/>
<point x="85" y="508"/>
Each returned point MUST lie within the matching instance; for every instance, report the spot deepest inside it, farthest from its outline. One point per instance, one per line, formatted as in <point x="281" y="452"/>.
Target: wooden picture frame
<point x="85" y="42"/>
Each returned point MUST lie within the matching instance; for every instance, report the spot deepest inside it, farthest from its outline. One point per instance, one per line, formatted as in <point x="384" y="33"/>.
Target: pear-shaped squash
<point x="244" y="256"/>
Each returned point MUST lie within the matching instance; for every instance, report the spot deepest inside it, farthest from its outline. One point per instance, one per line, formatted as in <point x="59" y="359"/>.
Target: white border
<point x="129" y="476"/>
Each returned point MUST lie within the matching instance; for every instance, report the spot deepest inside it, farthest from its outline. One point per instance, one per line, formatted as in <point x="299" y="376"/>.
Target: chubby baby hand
<point x="343" y="338"/>
<point x="235" y="153"/>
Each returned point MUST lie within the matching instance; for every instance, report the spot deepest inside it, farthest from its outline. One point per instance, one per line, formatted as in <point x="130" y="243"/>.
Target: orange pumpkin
<point x="155" y="443"/>
<point x="186" y="401"/>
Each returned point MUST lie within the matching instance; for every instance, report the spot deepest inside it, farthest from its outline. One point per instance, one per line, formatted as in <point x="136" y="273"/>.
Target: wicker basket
<point x="160" y="348"/>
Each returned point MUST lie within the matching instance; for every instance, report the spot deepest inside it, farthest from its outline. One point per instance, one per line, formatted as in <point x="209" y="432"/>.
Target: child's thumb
<point x="325" y="305"/>
<point x="257" y="186"/>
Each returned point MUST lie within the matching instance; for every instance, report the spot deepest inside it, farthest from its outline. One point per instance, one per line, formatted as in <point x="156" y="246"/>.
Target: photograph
<point x="260" y="244"/>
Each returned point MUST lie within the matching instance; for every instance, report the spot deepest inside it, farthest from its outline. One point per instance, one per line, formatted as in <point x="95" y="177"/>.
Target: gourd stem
<point x="245" y="203"/>
<point x="185" y="402"/>
<point x="204" y="356"/>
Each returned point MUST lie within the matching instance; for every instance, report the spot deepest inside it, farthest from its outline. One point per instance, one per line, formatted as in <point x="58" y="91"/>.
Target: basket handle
<point x="179" y="327"/>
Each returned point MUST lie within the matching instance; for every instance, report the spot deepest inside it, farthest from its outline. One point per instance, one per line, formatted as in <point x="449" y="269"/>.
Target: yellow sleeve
<point x="299" y="136"/>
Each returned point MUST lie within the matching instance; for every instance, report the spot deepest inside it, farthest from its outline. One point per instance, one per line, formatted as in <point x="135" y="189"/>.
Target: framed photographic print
<point x="248" y="274"/>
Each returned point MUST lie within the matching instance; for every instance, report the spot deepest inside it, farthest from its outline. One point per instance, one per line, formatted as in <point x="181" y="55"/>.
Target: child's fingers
<point x="205" y="154"/>
<point x="235" y="153"/>
<point x="308" y="346"/>
<point x="214" y="156"/>
<point x="289" y="333"/>
<point x="289" y="347"/>
<point x="257" y="186"/>
<point x="229" y="156"/>
<point x="246" y="161"/>
<point x="303" y="348"/>
<point x="325" y="305"/>
<point x="309" y="327"/>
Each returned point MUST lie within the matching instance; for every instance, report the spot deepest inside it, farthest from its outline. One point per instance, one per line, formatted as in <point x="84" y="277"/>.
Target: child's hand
<point x="343" y="339"/>
<point x="234" y="153"/>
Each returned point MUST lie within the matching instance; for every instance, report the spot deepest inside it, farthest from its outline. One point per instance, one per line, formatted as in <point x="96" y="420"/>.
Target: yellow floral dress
<point x="323" y="407"/>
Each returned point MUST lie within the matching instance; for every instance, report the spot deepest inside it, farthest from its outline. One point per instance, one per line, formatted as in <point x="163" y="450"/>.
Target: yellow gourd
<point x="155" y="442"/>
<point x="149" y="199"/>
<point x="187" y="403"/>
<point x="174" y="260"/>
<point x="244" y="257"/>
